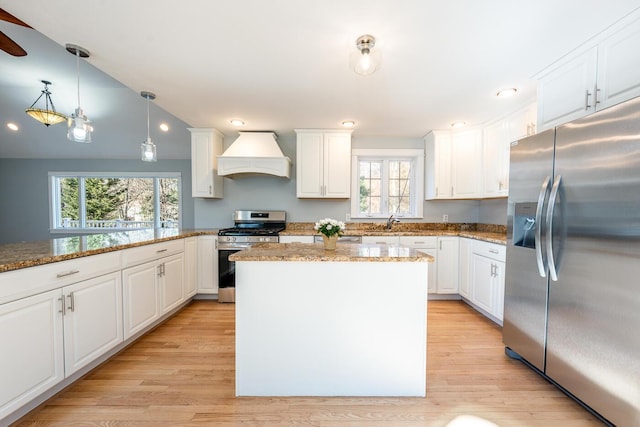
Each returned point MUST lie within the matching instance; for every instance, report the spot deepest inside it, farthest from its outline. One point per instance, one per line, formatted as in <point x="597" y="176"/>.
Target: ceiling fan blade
<point x="6" y="16"/>
<point x="11" y="47"/>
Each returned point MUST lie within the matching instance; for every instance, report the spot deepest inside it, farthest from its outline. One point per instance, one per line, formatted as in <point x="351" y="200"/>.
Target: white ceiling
<point x="279" y="65"/>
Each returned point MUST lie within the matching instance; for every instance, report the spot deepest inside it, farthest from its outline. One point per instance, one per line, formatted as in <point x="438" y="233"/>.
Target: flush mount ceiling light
<point x="366" y="60"/>
<point x="348" y="123"/>
<point x="505" y="93"/>
<point x="80" y="127"/>
<point x="46" y="116"/>
<point x="148" y="148"/>
<point x="14" y="127"/>
<point x="164" y="127"/>
<point x="458" y="124"/>
<point x="237" y="122"/>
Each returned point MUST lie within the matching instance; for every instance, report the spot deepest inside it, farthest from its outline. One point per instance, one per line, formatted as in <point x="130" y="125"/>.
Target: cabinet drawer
<point x="380" y="240"/>
<point x="490" y="250"/>
<point x="142" y="254"/>
<point x="419" y="241"/>
<point x="29" y="281"/>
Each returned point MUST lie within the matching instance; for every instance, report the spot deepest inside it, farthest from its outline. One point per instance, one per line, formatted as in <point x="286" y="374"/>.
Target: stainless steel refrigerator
<point x="572" y="296"/>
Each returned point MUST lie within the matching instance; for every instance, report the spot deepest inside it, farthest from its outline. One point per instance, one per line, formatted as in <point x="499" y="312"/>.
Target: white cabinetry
<point x="464" y="263"/>
<point x="92" y="319"/>
<point x="206" y="145"/>
<point x="602" y="75"/>
<point x="323" y="163"/>
<point x="447" y="271"/>
<point x="31" y="360"/>
<point x="207" y="264"/>
<point x="486" y="269"/>
<point x="190" y="266"/>
<point x="381" y="240"/>
<point x="453" y="169"/>
<point x="428" y="245"/>
<point x="153" y="285"/>
<point x="295" y="239"/>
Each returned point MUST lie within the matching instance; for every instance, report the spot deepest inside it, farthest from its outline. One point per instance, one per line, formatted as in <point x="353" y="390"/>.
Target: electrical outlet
<point x="445" y="218"/>
<point x="347" y="217"/>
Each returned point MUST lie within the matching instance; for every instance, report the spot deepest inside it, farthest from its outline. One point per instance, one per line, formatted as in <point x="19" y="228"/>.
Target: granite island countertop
<point x="315" y="252"/>
<point x="14" y="256"/>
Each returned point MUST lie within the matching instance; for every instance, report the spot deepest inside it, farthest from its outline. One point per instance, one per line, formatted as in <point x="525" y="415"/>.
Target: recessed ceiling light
<point x="164" y="127"/>
<point x="14" y="127"/>
<point x="237" y="122"/>
<point x="349" y="123"/>
<point x="458" y="124"/>
<point x="505" y="93"/>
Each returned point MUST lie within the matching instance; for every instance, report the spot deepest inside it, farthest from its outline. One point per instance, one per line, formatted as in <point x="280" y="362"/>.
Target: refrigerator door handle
<point x="550" y="211"/>
<point x="538" y="235"/>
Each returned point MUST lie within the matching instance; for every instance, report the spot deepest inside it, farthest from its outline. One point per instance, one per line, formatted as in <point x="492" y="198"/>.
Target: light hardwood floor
<point x="182" y="373"/>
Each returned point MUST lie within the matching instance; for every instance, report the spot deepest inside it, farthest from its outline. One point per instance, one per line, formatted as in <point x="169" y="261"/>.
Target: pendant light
<point x="46" y="116"/>
<point x="80" y="127"/>
<point x="148" y="148"/>
<point x="366" y="60"/>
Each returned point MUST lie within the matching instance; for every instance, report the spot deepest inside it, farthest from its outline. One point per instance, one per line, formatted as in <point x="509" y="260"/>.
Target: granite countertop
<point x="344" y="253"/>
<point x="14" y="256"/>
<point x="486" y="232"/>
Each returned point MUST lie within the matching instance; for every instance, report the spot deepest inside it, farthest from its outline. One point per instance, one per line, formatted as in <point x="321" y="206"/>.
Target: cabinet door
<point x="140" y="297"/>
<point x="309" y="166"/>
<point x="522" y="123"/>
<point x="482" y="273"/>
<point x="447" y="271"/>
<point x="465" y="267"/>
<point x="296" y="239"/>
<point x="337" y="165"/>
<point x="495" y="160"/>
<point x="466" y="164"/>
<point x="171" y="282"/>
<point x="566" y="93"/>
<point x="438" y="166"/>
<point x="93" y="320"/>
<point x="206" y="145"/>
<point x="207" y="265"/>
<point x="498" y="287"/>
<point x="618" y="65"/>
<point x="381" y="240"/>
<point x="190" y="266"/>
<point x="432" y="276"/>
<point x="31" y="360"/>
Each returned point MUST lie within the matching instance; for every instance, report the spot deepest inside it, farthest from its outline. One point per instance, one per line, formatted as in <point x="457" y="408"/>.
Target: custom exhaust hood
<point x="254" y="153"/>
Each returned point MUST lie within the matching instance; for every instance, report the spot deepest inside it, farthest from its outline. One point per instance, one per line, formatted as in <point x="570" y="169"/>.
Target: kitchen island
<point x="349" y="322"/>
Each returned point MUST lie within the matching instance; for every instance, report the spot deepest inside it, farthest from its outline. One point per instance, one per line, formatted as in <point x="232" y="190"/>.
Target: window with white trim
<point x="387" y="182"/>
<point x="90" y="201"/>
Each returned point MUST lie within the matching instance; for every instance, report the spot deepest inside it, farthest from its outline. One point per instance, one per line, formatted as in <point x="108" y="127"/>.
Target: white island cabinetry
<point x="427" y="245"/>
<point x="323" y="163"/>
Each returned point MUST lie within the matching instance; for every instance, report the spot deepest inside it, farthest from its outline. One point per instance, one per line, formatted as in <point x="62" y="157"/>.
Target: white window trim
<point x="54" y="202"/>
<point x="415" y="155"/>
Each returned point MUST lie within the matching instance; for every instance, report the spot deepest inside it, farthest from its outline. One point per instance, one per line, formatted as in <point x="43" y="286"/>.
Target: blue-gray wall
<point x="24" y="191"/>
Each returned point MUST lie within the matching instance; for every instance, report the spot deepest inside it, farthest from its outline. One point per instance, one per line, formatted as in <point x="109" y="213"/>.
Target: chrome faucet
<point x="390" y="222"/>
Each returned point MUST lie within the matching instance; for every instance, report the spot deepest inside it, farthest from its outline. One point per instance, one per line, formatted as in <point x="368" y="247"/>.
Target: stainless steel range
<point x="250" y="227"/>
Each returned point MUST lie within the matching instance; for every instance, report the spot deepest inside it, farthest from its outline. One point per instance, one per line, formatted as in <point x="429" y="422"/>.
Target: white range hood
<point x="254" y="153"/>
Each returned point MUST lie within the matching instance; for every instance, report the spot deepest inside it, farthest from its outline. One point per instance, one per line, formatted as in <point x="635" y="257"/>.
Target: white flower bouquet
<point x="329" y="227"/>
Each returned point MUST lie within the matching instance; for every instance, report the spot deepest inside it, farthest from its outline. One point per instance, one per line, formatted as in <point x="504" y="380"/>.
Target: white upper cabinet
<point x="602" y="75"/>
<point x="453" y="165"/>
<point x="323" y="164"/>
<point x="206" y="145"/>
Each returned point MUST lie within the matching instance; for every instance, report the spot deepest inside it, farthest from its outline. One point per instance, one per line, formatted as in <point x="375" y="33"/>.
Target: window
<point x="93" y="202"/>
<point x="387" y="182"/>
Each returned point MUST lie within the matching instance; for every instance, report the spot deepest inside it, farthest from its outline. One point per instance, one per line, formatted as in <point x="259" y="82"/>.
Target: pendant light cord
<point x="148" y="136"/>
<point x="78" y="73"/>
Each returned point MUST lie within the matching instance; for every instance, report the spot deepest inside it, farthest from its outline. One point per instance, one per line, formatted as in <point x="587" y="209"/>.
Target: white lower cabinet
<point x="190" y="266"/>
<point x="381" y="240"/>
<point x="207" y="275"/>
<point x="92" y="319"/>
<point x="447" y="271"/>
<point x="486" y="265"/>
<point x="171" y="282"/>
<point x="295" y="239"/>
<point x="464" y="263"/>
<point x="428" y="245"/>
<point x="31" y="360"/>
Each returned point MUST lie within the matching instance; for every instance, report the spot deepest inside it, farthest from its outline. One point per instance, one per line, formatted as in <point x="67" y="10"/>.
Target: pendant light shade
<point x="47" y="116"/>
<point x="366" y="60"/>
<point x="148" y="148"/>
<point x="80" y="127"/>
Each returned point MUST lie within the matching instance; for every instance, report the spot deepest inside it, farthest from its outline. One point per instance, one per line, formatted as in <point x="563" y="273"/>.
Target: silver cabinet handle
<point x="210" y="189"/>
<point x="595" y="98"/>
<point x="538" y="235"/>
<point x="586" y="100"/>
<point x="493" y="251"/>
<point x="418" y="243"/>
<point x="72" y="304"/>
<point x="63" y="307"/>
<point x="552" y="206"/>
<point x="68" y="273"/>
<point x="159" y="270"/>
<point x="161" y="250"/>
<point x="452" y="191"/>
